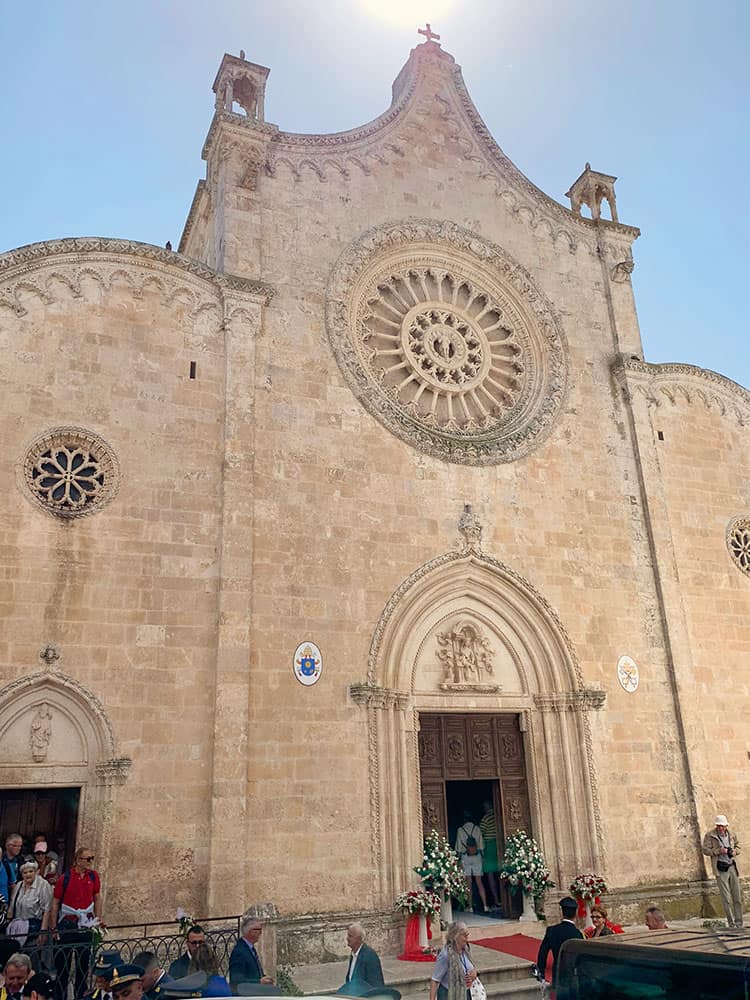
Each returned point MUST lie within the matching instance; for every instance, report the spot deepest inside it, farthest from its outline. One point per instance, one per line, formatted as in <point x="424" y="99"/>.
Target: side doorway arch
<point x="55" y="735"/>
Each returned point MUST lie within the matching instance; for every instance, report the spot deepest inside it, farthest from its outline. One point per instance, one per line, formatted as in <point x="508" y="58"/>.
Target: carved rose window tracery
<point x="444" y="348"/>
<point x="446" y="341"/>
<point x="70" y="472"/>
<point x="738" y="542"/>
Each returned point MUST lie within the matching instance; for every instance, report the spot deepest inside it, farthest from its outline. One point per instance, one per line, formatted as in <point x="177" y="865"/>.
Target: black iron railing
<point x="71" y="956"/>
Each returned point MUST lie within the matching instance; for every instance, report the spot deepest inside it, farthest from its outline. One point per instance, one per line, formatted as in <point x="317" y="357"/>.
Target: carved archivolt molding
<point x="675" y="383"/>
<point x="738" y="543"/>
<point x="446" y="341"/>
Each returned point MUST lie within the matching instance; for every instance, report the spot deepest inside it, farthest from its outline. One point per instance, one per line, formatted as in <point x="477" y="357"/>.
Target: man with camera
<point x="722" y="847"/>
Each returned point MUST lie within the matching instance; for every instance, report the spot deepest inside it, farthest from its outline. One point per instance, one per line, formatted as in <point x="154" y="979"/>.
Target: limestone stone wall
<point x="100" y="336"/>
<point x="695" y="430"/>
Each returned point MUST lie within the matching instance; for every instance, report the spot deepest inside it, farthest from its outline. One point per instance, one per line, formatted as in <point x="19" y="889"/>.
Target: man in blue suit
<point x="244" y="962"/>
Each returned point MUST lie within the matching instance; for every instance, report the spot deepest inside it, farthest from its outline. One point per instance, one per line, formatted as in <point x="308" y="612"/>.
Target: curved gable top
<point x="430" y="77"/>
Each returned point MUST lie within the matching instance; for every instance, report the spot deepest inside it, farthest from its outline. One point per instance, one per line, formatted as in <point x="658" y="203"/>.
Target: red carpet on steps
<point x="519" y="945"/>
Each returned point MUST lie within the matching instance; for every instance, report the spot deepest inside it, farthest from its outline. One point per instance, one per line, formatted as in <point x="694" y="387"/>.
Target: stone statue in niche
<point x="466" y="656"/>
<point x="41" y="732"/>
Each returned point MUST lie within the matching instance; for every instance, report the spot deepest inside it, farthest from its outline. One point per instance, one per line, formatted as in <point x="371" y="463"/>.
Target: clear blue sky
<point x="106" y="105"/>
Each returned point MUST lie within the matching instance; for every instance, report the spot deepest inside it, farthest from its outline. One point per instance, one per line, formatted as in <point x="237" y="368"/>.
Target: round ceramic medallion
<point x="738" y="543"/>
<point x="70" y="471"/>
<point x="628" y="674"/>
<point x="446" y="341"/>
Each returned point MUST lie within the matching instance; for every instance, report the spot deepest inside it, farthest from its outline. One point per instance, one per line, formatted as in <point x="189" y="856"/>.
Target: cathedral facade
<point x="362" y="508"/>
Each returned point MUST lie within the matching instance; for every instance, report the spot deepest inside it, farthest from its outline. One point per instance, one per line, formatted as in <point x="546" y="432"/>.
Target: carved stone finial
<point x="48" y="655"/>
<point x="470" y="527"/>
<point x="591" y="189"/>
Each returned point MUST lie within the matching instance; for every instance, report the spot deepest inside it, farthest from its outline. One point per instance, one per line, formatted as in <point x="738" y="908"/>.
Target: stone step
<point x="498" y="971"/>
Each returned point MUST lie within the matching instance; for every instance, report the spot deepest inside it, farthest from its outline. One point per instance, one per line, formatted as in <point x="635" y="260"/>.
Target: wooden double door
<point x="467" y="761"/>
<point x="52" y="811"/>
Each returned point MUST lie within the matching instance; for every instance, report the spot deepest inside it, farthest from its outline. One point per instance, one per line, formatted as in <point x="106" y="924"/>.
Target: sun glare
<point x="405" y="12"/>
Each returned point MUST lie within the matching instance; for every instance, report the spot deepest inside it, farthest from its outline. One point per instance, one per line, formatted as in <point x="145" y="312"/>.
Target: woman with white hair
<point x="454" y="971"/>
<point x="30" y="905"/>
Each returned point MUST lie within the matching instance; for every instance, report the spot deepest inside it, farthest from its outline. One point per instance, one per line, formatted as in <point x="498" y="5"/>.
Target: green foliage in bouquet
<point x="441" y="870"/>
<point x="523" y="866"/>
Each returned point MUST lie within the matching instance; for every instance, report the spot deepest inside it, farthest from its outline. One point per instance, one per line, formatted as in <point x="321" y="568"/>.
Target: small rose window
<point x="738" y="542"/>
<point x="71" y="472"/>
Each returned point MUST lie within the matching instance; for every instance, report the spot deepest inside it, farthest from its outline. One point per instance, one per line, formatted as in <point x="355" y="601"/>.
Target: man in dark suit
<point x="364" y="970"/>
<point x="194" y="939"/>
<point x="244" y="962"/>
<point x="556" y="935"/>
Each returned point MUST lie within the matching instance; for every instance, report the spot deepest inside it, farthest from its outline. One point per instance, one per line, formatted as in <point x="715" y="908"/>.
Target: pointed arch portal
<point x="466" y="636"/>
<point x="55" y="734"/>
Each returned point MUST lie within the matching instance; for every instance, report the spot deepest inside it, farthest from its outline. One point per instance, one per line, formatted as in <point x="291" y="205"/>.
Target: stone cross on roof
<point x="428" y="33"/>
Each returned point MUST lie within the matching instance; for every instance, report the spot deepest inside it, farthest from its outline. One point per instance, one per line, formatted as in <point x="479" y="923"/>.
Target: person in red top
<point x="76" y="906"/>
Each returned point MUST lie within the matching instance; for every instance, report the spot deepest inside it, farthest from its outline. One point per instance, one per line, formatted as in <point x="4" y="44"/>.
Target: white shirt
<point x="355" y="956"/>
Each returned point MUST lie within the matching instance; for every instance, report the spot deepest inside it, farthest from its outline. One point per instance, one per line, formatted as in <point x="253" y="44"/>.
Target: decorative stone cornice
<point x="35" y="255"/>
<point x="429" y="80"/>
<point x="366" y="695"/>
<point x="677" y="383"/>
<point x="113" y="772"/>
<point x="583" y="700"/>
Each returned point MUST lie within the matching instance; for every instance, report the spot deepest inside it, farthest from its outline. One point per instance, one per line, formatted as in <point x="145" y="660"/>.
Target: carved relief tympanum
<point x="466" y="656"/>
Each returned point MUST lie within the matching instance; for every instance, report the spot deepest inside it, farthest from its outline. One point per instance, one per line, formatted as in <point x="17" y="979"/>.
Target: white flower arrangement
<point x="523" y="866"/>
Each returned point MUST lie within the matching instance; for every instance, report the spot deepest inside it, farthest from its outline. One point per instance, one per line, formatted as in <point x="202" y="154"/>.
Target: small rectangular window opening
<point x="193" y="368"/>
<point x="659" y="434"/>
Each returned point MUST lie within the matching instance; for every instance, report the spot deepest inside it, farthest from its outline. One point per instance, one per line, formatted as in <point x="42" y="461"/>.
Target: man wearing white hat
<point x="722" y="847"/>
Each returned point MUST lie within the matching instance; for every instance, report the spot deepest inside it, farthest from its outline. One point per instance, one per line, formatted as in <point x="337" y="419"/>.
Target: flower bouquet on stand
<point x="421" y="905"/>
<point x="441" y="873"/>
<point x="524" y="869"/>
<point x="587" y="888"/>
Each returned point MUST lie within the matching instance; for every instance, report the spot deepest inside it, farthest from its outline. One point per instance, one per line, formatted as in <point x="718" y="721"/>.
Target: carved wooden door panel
<point x="430" y="747"/>
<point x="482" y="747"/>
<point x="514" y="789"/>
<point x="456" y="761"/>
<point x="434" y="813"/>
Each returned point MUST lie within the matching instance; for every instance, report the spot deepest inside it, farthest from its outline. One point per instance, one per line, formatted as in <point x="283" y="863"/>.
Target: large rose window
<point x="443" y="348"/>
<point x="446" y="341"/>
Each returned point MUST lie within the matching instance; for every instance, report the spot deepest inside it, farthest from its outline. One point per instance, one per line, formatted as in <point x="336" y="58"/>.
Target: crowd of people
<point x="41" y="906"/>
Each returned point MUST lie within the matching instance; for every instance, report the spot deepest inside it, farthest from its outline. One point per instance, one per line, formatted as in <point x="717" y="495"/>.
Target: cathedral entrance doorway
<point x="474" y="765"/>
<point x="51" y="811"/>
